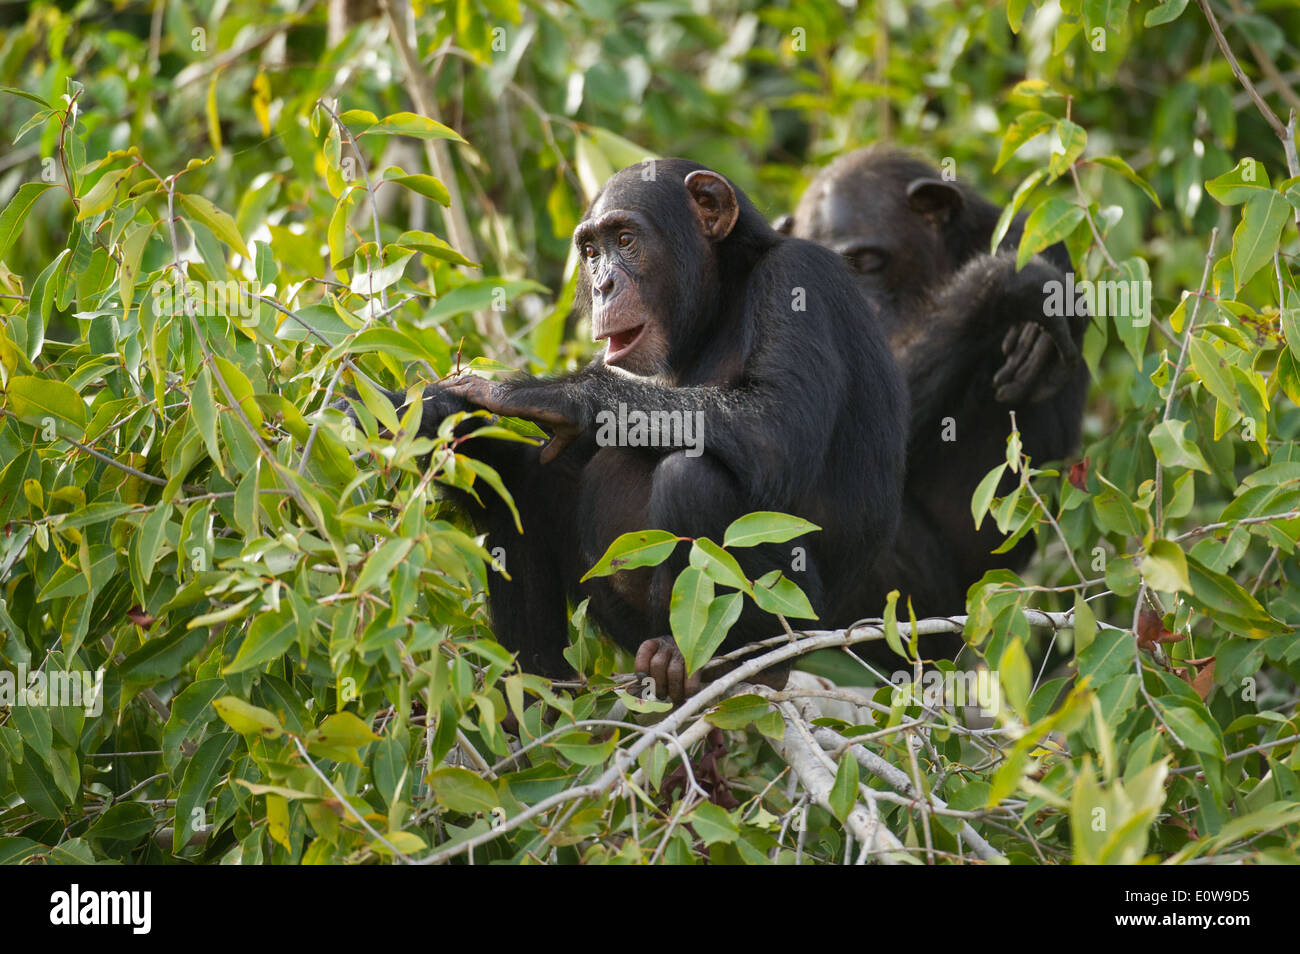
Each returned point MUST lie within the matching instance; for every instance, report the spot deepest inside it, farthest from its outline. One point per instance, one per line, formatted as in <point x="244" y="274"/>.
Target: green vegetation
<point x="289" y="621"/>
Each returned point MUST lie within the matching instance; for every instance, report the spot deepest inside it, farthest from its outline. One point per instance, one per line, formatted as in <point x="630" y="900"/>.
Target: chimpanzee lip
<point x="622" y="342"/>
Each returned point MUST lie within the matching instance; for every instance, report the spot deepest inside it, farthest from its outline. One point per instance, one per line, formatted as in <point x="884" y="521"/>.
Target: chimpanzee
<point x="707" y="311"/>
<point x="974" y="342"/>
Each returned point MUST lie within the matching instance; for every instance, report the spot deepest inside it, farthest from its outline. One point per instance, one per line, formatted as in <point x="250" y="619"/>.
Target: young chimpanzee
<point x="974" y="342"/>
<point x="763" y="340"/>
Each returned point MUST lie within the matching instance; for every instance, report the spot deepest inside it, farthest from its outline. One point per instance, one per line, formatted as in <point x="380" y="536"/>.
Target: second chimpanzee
<point x="763" y="340"/>
<point x="974" y="341"/>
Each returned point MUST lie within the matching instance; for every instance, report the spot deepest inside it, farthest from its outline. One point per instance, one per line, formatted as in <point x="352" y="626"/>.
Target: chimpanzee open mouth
<point x="621" y="342"/>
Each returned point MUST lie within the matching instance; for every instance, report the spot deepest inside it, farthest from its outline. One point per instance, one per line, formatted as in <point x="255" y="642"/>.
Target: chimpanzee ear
<point x="938" y="200"/>
<point x="784" y="223"/>
<point x="714" y="201"/>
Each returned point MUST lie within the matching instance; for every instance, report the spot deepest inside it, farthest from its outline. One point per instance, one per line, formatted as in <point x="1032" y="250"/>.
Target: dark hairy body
<point x="704" y="308"/>
<point x="974" y="342"/>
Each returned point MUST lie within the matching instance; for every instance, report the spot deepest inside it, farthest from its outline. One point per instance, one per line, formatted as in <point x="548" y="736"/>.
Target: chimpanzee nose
<point x="606" y="285"/>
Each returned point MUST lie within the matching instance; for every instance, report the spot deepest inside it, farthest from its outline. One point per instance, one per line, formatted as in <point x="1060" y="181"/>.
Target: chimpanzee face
<point x="646" y="251"/>
<point x="886" y="222"/>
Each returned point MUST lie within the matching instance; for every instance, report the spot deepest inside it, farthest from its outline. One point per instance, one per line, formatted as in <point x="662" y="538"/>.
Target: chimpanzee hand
<point x="662" y="661"/>
<point x="1029" y="350"/>
<point x="1039" y="352"/>
<point x="510" y="401"/>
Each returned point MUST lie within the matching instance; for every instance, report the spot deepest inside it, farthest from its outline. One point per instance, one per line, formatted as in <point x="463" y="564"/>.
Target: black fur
<point x="955" y="316"/>
<point x="804" y="412"/>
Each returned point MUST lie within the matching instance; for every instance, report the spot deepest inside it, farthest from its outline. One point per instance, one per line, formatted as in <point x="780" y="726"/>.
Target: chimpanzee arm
<point x="972" y="316"/>
<point x="765" y="434"/>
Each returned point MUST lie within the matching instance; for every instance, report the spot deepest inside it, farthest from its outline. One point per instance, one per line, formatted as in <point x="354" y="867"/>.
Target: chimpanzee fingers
<point x="472" y="388"/>
<point x="1010" y="338"/>
<point x="498" y="400"/>
<point x="652" y="660"/>
<point x="1028" y="373"/>
<point x="564" y="436"/>
<point x="1022" y="339"/>
<point x="1058" y="329"/>
<point x="663" y="663"/>
<point x="677" y="681"/>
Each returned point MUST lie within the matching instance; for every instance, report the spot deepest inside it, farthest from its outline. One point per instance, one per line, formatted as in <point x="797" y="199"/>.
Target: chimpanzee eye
<point x="588" y="250"/>
<point x="867" y="260"/>
<point x="624" y="239"/>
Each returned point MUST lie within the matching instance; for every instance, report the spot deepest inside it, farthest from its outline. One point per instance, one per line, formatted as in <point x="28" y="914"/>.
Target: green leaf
<point x="1165" y="568"/>
<point x="1073" y="140"/>
<point x="688" y="609"/>
<point x="150" y="537"/>
<point x="722" y="615"/>
<point x="102" y="193"/>
<point x="478" y="296"/>
<point x="221" y="223"/>
<point x="1167" y="12"/>
<point x="460" y="790"/>
<point x="631" y="550"/>
<point x="1025" y="127"/>
<point x="15" y="213"/>
<point x="765" y="526"/>
<point x="379" y="565"/>
<point x="1173" y="449"/>
<point x="429" y="244"/>
<point x="373" y="277"/>
<point x="739" y="711"/>
<point x="1124" y="169"/>
<point x="246" y="718"/>
<point x="35" y="400"/>
<point x="1228" y="604"/>
<point x="1196" y="731"/>
<point x="775" y="593"/>
<point x="1116" y="512"/>
<point x="40" y="305"/>
<point x="1211" y="367"/>
<point x="718" y="564"/>
<point x="983" y="496"/>
<point x="1023" y="192"/>
<point x="203" y="407"/>
<point x="12" y="91"/>
<point x="126" y="821"/>
<point x="202" y="774"/>
<point x="1256" y="236"/>
<point x="269" y="637"/>
<point x="318" y="321"/>
<point x="1048" y="224"/>
<point x="1085" y="624"/>
<point x="419" y="183"/>
<point x="36" y="785"/>
<point x="342" y="729"/>
<point x="713" y="824"/>
<point x="1016" y="676"/>
<point x="843" y="795"/>
<point x="1248" y="178"/>
<point x="410" y="124"/>
<point x="1127" y="303"/>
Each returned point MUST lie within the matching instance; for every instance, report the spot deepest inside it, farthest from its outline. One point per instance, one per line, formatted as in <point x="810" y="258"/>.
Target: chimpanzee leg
<point x="529" y="610"/>
<point x="698" y="497"/>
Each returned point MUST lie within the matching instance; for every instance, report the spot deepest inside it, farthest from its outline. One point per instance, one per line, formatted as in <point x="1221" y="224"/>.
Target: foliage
<point x="214" y="221"/>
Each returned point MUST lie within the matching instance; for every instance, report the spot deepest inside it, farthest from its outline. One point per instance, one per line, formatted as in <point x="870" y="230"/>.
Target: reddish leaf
<point x="1079" y="474"/>
<point x="1151" y="631"/>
